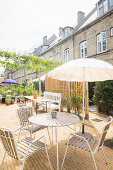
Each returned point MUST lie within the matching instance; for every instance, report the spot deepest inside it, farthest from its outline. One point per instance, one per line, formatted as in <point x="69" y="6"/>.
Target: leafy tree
<point x="27" y="62"/>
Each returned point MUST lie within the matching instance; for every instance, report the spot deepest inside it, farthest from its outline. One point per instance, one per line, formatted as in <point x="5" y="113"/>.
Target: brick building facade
<point x="92" y="37"/>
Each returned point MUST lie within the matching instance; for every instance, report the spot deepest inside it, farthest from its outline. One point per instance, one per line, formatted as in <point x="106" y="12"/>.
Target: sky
<point x="24" y="23"/>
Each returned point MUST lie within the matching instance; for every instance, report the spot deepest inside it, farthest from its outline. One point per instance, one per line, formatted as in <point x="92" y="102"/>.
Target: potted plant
<point x="63" y="103"/>
<point x="12" y="100"/>
<point x="35" y="94"/>
<point x="76" y="102"/>
<point x="8" y="100"/>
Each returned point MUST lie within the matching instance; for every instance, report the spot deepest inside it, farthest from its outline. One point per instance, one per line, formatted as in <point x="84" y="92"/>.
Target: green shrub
<point x="103" y="97"/>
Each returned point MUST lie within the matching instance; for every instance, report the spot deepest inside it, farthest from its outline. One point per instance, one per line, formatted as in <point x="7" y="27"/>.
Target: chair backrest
<point x="104" y="132"/>
<point x="24" y="113"/>
<point x="8" y="142"/>
<point x="54" y="97"/>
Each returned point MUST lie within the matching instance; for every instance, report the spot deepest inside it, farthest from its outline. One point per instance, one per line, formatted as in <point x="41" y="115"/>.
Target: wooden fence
<point x="67" y="89"/>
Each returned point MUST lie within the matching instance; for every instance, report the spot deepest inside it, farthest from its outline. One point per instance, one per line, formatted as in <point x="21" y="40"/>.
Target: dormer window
<point x="103" y="6"/>
<point x="67" y="31"/>
<point x="44" y="47"/>
<point x="111" y="3"/>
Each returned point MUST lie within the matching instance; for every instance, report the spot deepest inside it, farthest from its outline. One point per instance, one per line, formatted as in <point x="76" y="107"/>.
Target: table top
<point x="63" y="119"/>
<point x="39" y="99"/>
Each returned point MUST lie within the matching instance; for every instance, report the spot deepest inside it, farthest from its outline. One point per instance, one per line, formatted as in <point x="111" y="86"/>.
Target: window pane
<point x="103" y="34"/>
<point x="99" y="47"/>
<point x="105" y="6"/>
<point x="101" y="11"/>
<point x="85" y="52"/>
<point x="111" y="3"/>
<point x="104" y="45"/>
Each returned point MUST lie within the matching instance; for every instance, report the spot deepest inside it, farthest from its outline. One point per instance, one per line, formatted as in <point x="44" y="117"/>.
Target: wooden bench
<point x="55" y="100"/>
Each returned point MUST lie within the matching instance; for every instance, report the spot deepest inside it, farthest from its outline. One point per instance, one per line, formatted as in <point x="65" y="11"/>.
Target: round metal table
<point x="62" y="119"/>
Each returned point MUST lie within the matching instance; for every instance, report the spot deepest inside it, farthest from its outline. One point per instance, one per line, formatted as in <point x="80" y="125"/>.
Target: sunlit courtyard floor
<point x="75" y="159"/>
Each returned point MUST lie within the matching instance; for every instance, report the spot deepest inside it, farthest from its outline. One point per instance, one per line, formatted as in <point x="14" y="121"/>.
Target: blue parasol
<point x="9" y="81"/>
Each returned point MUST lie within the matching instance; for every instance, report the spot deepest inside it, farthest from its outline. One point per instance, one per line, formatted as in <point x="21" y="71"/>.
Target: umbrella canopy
<point x="83" y="70"/>
<point x="9" y="81"/>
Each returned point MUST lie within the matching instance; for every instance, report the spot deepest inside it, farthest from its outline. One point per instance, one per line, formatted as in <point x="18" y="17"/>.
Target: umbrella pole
<point x="83" y="107"/>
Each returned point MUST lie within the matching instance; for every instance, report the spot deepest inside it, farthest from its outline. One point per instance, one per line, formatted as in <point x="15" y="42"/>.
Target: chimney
<point x="60" y="31"/>
<point x="44" y="39"/>
<point x="80" y="16"/>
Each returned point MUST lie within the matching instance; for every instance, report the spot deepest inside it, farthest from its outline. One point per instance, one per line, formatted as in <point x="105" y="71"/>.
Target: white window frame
<point x="100" y="40"/>
<point x="111" y="31"/>
<point x="83" y="49"/>
<point x="66" y="55"/>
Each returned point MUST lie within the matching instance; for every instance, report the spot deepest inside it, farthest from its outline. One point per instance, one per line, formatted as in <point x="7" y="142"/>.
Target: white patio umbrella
<point x="83" y="70"/>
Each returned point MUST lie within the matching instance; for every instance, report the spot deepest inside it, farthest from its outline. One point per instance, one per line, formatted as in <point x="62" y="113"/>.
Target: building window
<point x="102" y="7"/>
<point x="101" y="42"/>
<point x="57" y="56"/>
<point x="66" y="55"/>
<point x="83" y="49"/>
<point x="111" y="31"/>
<point x="105" y="6"/>
<point x="67" y="32"/>
<point x="111" y="3"/>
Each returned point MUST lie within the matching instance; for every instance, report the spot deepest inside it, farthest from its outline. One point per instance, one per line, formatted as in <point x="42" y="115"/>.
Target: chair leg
<point x="94" y="160"/>
<point x="47" y="154"/>
<point x="65" y="155"/>
<point x="104" y="156"/>
<point x="19" y="136"/>
<point x="75" y="127"/>
<point x="3" y="159"/>
<point x="48" y="134"/>
<point x="23" y="163"/>
<point x="52" y="134"/>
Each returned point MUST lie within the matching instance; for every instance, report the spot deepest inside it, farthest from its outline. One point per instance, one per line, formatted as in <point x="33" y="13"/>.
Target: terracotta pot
<point x="12" y="101"/>
<point x="8" y="102"/>
<point x="35" y="96"/>
<point x="22" y="100"/>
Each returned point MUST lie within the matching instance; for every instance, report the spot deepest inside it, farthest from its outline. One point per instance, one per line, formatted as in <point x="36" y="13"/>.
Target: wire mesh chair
<point x="22" y="149"/>
<point x="24" y="113"/>
<point x="88" y="143"/>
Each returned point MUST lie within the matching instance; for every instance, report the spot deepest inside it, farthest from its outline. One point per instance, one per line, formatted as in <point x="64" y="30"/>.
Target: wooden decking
<point x="75" y="160"/>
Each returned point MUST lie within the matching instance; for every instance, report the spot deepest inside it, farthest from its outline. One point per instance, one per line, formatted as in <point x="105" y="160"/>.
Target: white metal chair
<point x="88" y="143"/>
<point x="24" y="113"/>
<point x="22" y="149"/>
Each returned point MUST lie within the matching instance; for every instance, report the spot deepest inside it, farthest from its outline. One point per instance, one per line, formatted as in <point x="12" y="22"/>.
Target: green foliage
<point x="91" y="86"/>
<point x="76" y="101"/>
<point x="103" y="97"/>
<point x="36" y="86"/>
<point x="27" y="62"/>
